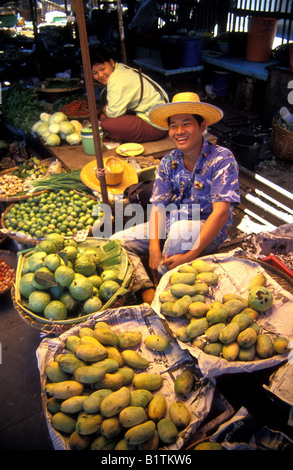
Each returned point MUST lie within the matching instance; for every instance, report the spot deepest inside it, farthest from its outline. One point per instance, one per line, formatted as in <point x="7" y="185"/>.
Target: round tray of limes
<point x="65" y="212"/>
<point x="61" y="282"/>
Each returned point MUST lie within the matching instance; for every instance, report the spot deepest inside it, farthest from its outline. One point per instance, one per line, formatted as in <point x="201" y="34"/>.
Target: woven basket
<point x="281" y="142"/>
<point x="26" y="239"/>
<point x="10" y="258"/>
<point x="59" y="326"/>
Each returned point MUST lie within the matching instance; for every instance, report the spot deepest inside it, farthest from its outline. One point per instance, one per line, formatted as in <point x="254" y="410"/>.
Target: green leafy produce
<point x="56" y="182"/>
<point x="21" y="107"/>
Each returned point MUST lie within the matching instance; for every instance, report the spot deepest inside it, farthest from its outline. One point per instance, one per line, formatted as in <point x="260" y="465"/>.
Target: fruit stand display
<point x="60" y="282"/>
<point x="8" y="264"/>
<point x="119" y="381"/>
<point x="228" y="312"/>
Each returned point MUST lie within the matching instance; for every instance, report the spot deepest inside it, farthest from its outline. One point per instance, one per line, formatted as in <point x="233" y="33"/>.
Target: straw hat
<point x="185" y="103"/>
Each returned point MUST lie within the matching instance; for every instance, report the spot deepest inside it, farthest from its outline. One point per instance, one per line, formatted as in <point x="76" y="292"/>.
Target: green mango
<point x="54" y="372"/>
<point x="134" y="359"/>
<point x="198" y="309"/>
<point x="63" y="422"/>
<point x="230" y="351"/>
<point x="246" y="354"/>
<point x="140" y="397"/>
<point x="93" y="401"/>
<point x="115" y="402"/>
<point x="78" y="442"/>
<point x="129" y="339"/>
<point x="111" y="427"/>
<point x="184" y="383"/>
<point x="214" y="349"/>
<point x="197" y="327"/>
<point x="182" y="278"/>
<point x="141" y="433"/>
<point x="264" y="346"/>
<point x="148" y="381"/>
<point x="157" y="342"/>
<point x="157" y="407"/>
<point x="132" y="416"/>
<point x="179" y="414"/>
<point x="73" y="404"/>
<point x="213" y="332"/>
<point x="167" y="431"/>
<point x="229" y="333"/>
<point x="243" y="320"/>
<point x="216" y="314"/>
<point x="247" y="337"/>
<point x="181" y="306"/>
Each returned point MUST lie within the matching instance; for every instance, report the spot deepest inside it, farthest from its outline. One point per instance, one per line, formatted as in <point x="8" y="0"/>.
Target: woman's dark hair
<point x="99" y="56"/>
<point x="196" y="116"/>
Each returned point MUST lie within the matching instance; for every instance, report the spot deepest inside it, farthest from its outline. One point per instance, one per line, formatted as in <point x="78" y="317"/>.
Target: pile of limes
<point x="63" y="212"/>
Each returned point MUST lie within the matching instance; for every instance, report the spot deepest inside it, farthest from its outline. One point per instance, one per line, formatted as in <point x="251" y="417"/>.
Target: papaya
<point x="180" y="289"/>
<point x="187" y="268"/>
<point x="166" y="308"/>
<point x="243" y="320"/>
<point x="181" y="334"/>
<point x="214" y="349"/>
<point x="212" y="333"/>
<point x="233" y="307"/>
<point x="246" y="354"/>
<point x="232" y="296"/>
<point x="167" y="296"/>
<point x="216" y="314"/>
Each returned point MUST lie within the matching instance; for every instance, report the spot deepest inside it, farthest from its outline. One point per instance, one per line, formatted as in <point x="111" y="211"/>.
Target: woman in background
<point x="130" y="97"/>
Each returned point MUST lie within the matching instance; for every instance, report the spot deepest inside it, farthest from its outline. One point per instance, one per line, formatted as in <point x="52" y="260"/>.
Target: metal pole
<point x="121" y="32"/>
<point x="83" y="39"/>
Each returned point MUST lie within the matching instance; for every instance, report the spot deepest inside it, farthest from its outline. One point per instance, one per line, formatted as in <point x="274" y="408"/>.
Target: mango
<point x="113" y="381"/>
<point x="229" y="333"/>
<point x="256" y="326"/>
<point x="202" y="288"/>
<point x="247" y="337"/>
<point x="258" y="280"/>
<point x="113" y="353"/>
<point x="187" y="268"/>
<point x="166" y="308"/>
<point x="127" y="374"/>
<point x="260" y="298"/>
<point x="202" y="266"/>
<point x="140" y="397"/>
<point x="216" y="303"/>
<point x="197" y="327"/>
<point x="102" y="443"/>
<point x="148" y="381"/>
<point x="91" y="352"/>
<point x="53" y="405"/>
<point x="264" y="346"/>
<point x="230" y="351"/>
<point x="157" y="407"/>
<point x="181" y="334"/>
<point x="167" y="296"/>
<point x="180" y="289"/>
<point x="63" y="422"/>
<point x="251" y="313"/>
<point x="129" y="339"/>
<point x="216" y="314"/>
<point x="134" y="359"/>
<point x="231" y="296"/>
<point x="85" y="339"/>
<point x="141" y="433"/>
<point x="67" y="389"/>
<point x="113" y="403"/>
<point x="85" y="331"/>
<point x="198" y="343"/>
<point x="49" y="388"/>
<point x="184" y="383"/>
<point x="78" y="442"/>
<point x="73" y="404"/>
<point x="246" y="354"/>
<point x="157" y="342"/>
<point x="214" y="349"/>
<point x="152" y="443"/>
<point x="198" y="298"/>
<point x="167" y="430"/>
<point x="96" y="371"/>
<point x="123" y="445"/>
<point x="181" y="305"/>
<point x="209" y="278"/>
<point x="69" y="363"/>
<point x="198" y="309"/>
<point x="179" y="414"/>
<point x="93" y="401"/>
<point x="281" y="344"/>
<point x="55" y="373"/>
<point x="111" y="427"/>
<point x="132" y="416"/>
<point x="72" y="342"/>
<point x="243" y="320"/>
<point x="105" y="335"/>
<point x="212" y="333"/>
<point x="209" y="445"/>
<point x="182" y="278"/>
<point x="233" y="307"/>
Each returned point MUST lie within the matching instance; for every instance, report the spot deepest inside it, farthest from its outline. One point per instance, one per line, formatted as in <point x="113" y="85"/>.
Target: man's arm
<point x="214" y="223"/>
<point x="156" y="227"/>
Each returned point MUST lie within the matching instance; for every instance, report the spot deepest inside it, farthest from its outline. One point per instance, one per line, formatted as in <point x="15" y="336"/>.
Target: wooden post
<point x="83" y="39"/>
<point x="121" y="32"/>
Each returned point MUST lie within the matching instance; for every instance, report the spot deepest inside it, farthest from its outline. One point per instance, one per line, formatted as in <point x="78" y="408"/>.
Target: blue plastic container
<point x="190" y="52"/>
<point x="222" y="83"/>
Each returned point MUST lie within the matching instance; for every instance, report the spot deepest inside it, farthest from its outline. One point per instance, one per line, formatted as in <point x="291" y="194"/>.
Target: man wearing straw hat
<point x="197" y="183"/>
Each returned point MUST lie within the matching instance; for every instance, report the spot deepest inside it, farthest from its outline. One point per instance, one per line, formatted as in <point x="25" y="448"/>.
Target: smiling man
<point x="195" y="191"/>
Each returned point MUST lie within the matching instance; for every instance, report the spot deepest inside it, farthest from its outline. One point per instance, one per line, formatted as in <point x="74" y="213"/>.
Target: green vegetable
<point x="52" y="140"/>
<point x="57" y="118"/>
<point x="66" y="128"/>
<point x="74" y="138"/>
<point x="59" y="181"/>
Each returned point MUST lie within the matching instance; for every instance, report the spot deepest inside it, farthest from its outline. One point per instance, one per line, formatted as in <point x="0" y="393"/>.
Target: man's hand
<point x="155" y="257"/>
<point x="175" y="260"/>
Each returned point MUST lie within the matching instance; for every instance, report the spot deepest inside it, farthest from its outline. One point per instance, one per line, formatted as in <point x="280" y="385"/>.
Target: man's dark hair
<point x="196" y="116"/>
<point x="100" y="56"/>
